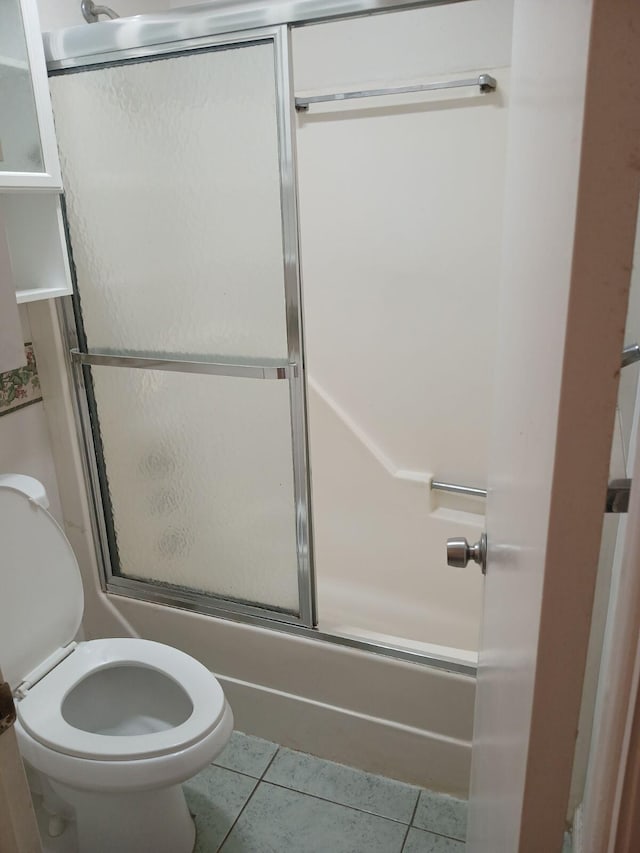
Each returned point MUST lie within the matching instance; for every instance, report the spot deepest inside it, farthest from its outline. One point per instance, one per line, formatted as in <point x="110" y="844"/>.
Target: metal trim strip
<point x="282" y="370"/>
<point x="293" y="308"/>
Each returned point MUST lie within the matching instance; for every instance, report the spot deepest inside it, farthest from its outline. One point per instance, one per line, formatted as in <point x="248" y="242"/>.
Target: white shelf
<point x="37" y="255"/>
<point x="18" y="64"/>
<point x="41" y="293"/>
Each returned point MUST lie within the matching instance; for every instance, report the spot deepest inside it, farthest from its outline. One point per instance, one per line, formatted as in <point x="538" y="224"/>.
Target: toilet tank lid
<point x="42" y="600"/>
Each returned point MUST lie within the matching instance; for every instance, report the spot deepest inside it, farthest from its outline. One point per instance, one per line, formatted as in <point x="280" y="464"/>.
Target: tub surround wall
<point x="375" y="572"/>
<point x="400" y="220"/>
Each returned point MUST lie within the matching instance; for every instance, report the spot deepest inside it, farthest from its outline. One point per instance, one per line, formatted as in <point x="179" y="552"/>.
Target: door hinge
<point x="7" y="707"/>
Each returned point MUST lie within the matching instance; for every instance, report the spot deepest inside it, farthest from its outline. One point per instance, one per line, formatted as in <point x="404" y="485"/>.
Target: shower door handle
<point x="459" y="552"/>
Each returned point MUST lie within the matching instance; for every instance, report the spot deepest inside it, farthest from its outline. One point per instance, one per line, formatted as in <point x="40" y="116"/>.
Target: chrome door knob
<point x="459" y="552"/>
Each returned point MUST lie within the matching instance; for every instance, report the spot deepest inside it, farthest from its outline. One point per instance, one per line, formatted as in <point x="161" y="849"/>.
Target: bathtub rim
<point x="206" y="606"/>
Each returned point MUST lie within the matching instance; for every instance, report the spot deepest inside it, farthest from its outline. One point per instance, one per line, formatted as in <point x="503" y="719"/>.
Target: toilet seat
<point x="42" y="599"/>
<point x="40" y="614"/>
<point x="40" y="712"/>
<point x="110" y="728"/>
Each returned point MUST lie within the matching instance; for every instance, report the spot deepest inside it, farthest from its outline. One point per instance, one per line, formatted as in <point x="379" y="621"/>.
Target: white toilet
<point x="111" y="727"/>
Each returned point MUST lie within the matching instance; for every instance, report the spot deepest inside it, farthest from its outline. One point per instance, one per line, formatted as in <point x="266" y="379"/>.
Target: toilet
<point x="109" y="729"/>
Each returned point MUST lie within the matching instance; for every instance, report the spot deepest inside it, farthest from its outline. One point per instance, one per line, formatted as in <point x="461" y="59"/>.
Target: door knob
<point x="459" y="552"/>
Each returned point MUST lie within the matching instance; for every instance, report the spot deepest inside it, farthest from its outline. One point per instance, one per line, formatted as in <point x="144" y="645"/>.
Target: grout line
<point x="413" y="815"/>
<point x="273" y="758"/>
<point x="317" y="796"/>
<point x="333" y="802"/>
<point x="439" y="834"/>
<point x="242" y="772"/>
<point x="233" y="770"/>
<point x="249" y="798"/>
<point x="261" y="780"/>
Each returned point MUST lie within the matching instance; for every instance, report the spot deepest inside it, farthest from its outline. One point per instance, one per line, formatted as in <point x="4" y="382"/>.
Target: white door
<point x="572" y="191"/>
<point x="18" y="829"/>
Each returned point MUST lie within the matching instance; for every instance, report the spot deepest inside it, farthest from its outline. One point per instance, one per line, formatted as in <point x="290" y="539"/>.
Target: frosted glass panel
<point x="20" y="149"/>
<point x="173" y="196"/>
<point x="199" y="470"/>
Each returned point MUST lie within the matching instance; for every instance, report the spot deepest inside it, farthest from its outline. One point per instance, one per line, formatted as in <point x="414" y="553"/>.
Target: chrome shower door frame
<point x="80" y="361"/>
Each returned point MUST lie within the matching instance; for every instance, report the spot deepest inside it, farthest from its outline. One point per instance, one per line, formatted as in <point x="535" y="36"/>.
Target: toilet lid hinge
<point x="43" y="669"/>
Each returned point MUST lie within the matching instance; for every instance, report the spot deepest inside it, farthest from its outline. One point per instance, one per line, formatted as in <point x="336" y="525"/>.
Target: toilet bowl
<point x="111" y="727"/>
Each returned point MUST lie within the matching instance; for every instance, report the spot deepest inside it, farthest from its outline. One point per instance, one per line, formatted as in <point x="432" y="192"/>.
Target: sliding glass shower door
<point x="181" y="212"/>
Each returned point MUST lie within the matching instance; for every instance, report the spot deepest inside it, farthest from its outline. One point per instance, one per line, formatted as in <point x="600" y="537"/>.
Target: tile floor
<point x="261" y="798"/>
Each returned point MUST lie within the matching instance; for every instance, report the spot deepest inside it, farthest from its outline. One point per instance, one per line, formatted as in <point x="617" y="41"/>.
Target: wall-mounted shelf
<point x="37" y="293"/>
<point x="34" y="257"/>
<point x="37" y="245"/>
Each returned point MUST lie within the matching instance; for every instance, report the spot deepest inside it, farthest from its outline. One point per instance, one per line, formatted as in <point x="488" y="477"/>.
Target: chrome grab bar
<point x="485" y="82"/>
<point x="455" y="489"/>
<point x="617" y="500"/>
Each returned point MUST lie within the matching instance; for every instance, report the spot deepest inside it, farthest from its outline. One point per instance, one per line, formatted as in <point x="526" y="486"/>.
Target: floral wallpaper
<point x="20" y="387"/>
